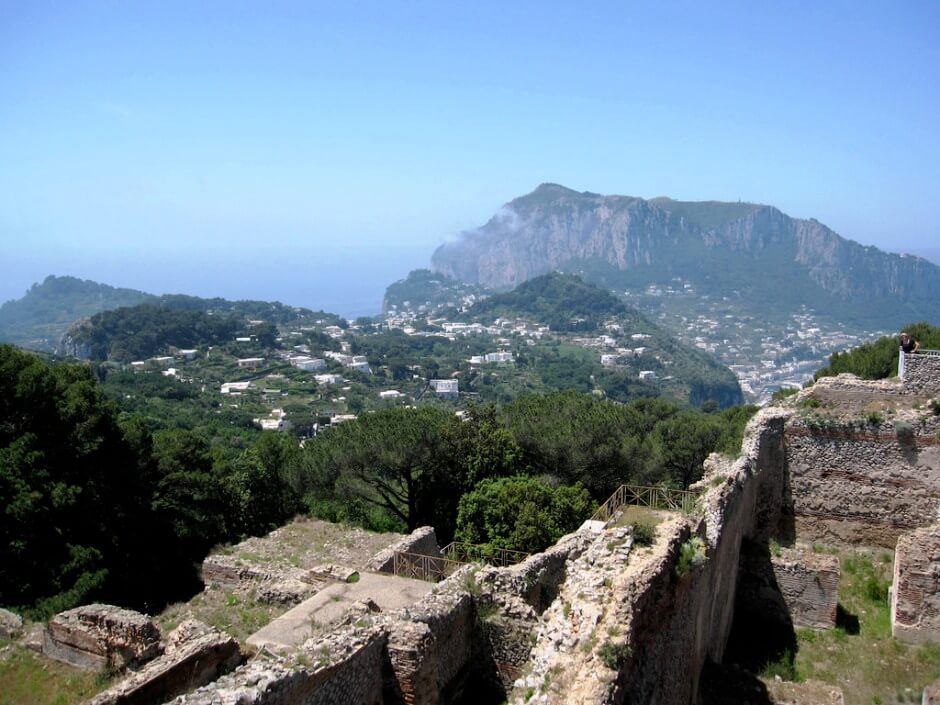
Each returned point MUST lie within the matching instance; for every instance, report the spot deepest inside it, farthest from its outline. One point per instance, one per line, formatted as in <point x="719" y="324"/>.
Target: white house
<point x="138" y="365"/>
<point x="188" y="354"/>
<point x="236" y="387"/>
<point x="390" y="394"/>
<point x="477" y="359"/>
<point x="251" y="362"/>
<point x="500" y="356"/>
<point x="647" y="375"/>
<point x="164" y="361"/>
<point x="308" y="364"/>
<point x="329" y="379"/>
<point x="445" y="388"/>
<point x="608" y="360"/>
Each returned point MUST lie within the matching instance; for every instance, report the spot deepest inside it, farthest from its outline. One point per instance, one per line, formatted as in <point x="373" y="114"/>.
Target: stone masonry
<point x="915" y="596"/>
<point x="101" y="637"/>
<point x="864" y="478"/>
<point x="921" y="373"/>
<point x="809" y="584"/>
<point x="195" y="654"/>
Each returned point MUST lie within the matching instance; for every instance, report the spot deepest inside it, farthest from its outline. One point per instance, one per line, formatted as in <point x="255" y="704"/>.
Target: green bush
<point x="644" y="533"/>
<point x="613" y="655"/>
<point x="691" y="556"/>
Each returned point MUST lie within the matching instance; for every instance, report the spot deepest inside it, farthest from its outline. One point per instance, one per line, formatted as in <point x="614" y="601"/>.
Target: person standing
<point x="908" y="344"/>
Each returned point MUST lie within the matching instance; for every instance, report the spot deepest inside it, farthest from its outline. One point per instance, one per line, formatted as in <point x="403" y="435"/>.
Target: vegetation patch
<point x="859" y="655"/>
<point x="26" y="677"/>
<point x="691" y="556"/>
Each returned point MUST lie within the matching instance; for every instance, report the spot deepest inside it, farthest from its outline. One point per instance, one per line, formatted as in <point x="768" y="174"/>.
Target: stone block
<point x="915" y="596"/>
<point x="11" y="625"/>
<point x="98" y="637"/>
<point x="809" y="583"/>
<point x="932" y="694"/>
<point x="195" y="654"/>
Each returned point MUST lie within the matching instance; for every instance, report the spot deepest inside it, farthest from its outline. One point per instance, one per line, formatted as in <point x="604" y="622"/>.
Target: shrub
<point x="691" y="556"/>
<point x="613" y="655"/>
<point x="903" y="428"/>
<point x="644" y="533"/>
<point x="874" y="418"/>
<point x="935" y="406"/>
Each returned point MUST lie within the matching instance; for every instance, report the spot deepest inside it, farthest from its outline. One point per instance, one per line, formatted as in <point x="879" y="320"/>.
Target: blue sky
<point x="315" y="152"/>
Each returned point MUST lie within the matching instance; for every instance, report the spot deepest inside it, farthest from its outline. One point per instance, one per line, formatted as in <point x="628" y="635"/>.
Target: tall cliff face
<point x="730" y="248"/>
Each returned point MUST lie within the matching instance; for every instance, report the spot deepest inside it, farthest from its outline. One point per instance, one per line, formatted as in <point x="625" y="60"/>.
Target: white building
<point x="390" y="394"/>
<point x="445" y="388"/>
<point x="250" y="362"/>
<point x="329" y="379"/>
<point x="188" y="354"/>
<point x="236" y="387"/>
<point x="500" y="356"/>
<point x="647" y="375"/>
<point x="608" y="360"/>
<point x="308" y="364"/>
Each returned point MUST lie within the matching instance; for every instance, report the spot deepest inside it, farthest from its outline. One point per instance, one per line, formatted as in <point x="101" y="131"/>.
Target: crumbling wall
<point x="195" y="654"/>
<point x="863" y="483"/>
<point x="101" y="637"/>
<point x="915" y="596"/>
<point x="636" y="625"/>
<point x="421" y="541"/>
<point x="343" y="668"/>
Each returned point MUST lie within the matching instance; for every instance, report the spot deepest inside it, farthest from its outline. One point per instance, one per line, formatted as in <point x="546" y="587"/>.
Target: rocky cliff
<point x="724" y="248"/>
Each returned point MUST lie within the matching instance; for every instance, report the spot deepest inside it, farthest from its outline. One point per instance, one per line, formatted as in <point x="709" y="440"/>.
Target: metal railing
<point x="422" y="567"/>
<point x="653" y="497"/>
<point x="473" y="553"/>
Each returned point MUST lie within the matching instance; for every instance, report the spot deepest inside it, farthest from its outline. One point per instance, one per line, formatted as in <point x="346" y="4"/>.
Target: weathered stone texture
<point x="274" y="585"/>
<point x="931" y="694"/>
<point x="344" y="668"/>
<point x="921" y="373"/>
<point x="806" y="693"/>
<point x="195" y="654"/>
<point x="809" y="584"/>
<point x="862" y="484"/>
<point x="915" y="597"/>
<point x="97" y="637"/>
<point x="626" y="628"/>
<point x="422" y="541"/>
<point x="11" y="625"/>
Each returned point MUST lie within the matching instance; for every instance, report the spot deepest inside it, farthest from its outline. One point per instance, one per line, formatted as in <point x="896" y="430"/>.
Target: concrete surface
<point x="328" y="606"/>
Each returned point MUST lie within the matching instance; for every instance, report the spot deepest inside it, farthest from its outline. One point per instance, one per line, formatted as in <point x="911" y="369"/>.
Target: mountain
<point x="48" y="311"/>
<point x="39" y="319"/>
<point x="754" y="253"/>
<point x="428" y="291"/>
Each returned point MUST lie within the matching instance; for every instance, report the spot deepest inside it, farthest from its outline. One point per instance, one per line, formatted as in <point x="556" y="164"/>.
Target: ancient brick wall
<point x="862" y="483"/>
<point x="809" y="584"/>
<point x="915" y="595"/>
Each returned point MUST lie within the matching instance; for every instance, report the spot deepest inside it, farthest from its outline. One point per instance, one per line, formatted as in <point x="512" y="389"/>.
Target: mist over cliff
<point x="746" y="250"/>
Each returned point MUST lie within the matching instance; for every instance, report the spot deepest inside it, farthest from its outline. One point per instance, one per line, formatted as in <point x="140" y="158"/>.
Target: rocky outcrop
<point x="554" y="226"/>
<point x="11" y="625"/>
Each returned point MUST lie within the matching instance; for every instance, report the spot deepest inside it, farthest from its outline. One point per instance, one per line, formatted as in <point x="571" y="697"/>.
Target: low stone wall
<point x="862" y="483"/>
<point x="915" y="595"/>
<point x="921" y="373"/>
<point x="421" y="541"/>
<point x="809" y="584"/>
<point x="195" y="654"/>
<point x="101" y="637"/>
<point x="344" y="668"/>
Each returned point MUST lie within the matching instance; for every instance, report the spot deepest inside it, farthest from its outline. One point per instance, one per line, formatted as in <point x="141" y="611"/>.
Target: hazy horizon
<point x="314" y="154"/>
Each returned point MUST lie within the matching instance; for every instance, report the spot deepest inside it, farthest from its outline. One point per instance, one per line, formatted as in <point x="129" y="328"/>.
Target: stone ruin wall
<point x="915" y="594"/>
<point x="862" y="484"/>
<point x="626" y="627"/>
<point x="922" y="373"/>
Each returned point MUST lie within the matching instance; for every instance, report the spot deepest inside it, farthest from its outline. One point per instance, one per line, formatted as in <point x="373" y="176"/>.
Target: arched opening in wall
<point x="762" y="639"/>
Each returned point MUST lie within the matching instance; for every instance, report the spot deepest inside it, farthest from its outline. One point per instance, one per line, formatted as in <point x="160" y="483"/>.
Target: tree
<point x="521" y="513"/>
